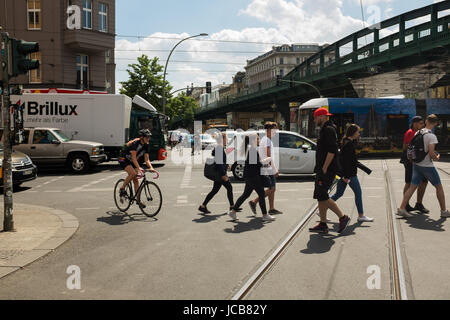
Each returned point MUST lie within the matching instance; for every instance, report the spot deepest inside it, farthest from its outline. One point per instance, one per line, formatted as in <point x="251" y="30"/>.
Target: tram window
<point x="342" y="122"/>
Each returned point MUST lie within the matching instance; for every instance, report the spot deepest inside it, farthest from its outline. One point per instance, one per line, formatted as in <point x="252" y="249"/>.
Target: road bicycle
<point x="148" y="196"/>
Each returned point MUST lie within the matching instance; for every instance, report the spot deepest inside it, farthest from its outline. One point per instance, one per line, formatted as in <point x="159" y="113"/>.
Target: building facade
<point x="72" y="55"/>
<point x="279" y="61"/>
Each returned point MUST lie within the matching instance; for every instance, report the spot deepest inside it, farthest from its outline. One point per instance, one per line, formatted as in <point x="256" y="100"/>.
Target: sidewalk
<point x="39" y="231"/>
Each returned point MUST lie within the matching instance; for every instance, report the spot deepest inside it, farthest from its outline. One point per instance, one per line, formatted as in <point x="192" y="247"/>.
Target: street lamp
<point x="165" y="68"/>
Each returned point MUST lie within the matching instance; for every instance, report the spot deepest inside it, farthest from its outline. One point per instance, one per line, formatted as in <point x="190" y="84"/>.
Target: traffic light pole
<point x="8" y="222"/>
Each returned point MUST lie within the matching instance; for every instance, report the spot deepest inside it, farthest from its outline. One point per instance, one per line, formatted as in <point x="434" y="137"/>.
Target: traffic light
<point x="208" y="87"/>
<point x="278" y="80"/>
<point x="21" y="63"/>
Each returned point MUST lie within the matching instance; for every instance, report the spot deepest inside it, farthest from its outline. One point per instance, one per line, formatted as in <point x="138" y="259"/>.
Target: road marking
<point x="187" y="177"/>
<point x="85" y="186"/>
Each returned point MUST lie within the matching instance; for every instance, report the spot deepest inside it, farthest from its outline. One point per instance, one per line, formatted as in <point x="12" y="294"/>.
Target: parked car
<point x="208" y="142"/>
<point x="49" y="146"/>
<point x="23" y="168"/>
<point x="297" y="154"/>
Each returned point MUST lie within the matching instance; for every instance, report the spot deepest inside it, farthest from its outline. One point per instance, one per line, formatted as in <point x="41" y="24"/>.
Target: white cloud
<point x="290" y="21"/>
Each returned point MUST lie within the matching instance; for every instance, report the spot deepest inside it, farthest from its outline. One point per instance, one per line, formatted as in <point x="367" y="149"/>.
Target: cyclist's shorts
<point x="123" y="162"/>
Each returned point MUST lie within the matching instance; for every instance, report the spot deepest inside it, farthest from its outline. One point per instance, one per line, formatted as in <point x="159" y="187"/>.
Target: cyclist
<point x="137" y="153"/>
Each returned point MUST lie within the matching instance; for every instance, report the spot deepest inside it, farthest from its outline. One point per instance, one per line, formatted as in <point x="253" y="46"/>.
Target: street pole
<point x="8" y="222"/>
<point x="165" y="68"/>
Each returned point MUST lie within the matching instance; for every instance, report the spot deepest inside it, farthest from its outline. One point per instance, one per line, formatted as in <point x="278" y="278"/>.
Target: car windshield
<point x="61" y="136"/>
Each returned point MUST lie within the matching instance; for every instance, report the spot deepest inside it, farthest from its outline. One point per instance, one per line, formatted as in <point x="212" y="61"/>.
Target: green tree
<point x="146" y="80"/>
<point x="181" y="110"/>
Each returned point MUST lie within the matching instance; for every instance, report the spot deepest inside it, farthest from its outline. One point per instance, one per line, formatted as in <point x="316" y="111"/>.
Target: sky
<point x="153" y="27"/>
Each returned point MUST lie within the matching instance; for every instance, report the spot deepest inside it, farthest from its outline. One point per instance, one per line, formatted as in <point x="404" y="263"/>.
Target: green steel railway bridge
<point x="407" y="54"/>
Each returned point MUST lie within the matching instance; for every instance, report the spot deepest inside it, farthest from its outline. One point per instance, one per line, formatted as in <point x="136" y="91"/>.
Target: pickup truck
<point x="49" y="146"/>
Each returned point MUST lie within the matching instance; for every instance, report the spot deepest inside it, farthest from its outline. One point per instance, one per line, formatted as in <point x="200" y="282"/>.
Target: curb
<point x="68" y="228"/>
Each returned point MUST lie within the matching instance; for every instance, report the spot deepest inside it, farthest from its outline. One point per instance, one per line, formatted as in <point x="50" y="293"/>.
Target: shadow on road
<point x="205" y="218"/>
<point x="424" y="222"/>
<point x="252" y="225"/>
<point x="283" y="179"/>
<point x="117" y="218"/>
<point x="18" y="189"/>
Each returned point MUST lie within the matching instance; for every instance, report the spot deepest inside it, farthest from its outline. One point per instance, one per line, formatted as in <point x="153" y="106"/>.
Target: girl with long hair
<point x="350" y="165"/>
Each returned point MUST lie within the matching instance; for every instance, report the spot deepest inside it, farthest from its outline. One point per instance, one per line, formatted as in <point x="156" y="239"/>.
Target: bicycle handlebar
<point x="147" y="170"/>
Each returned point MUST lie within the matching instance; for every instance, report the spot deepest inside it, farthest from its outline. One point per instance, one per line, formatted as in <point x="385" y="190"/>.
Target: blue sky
<point x="267" y="21"/>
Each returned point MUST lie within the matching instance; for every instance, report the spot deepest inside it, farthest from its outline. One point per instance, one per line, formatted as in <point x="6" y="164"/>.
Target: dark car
<point x="23" y="168"/>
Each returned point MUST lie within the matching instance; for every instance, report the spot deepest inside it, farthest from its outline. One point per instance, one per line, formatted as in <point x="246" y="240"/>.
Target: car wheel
<point x="238" y="171"/>
<point x="79" y="163"/>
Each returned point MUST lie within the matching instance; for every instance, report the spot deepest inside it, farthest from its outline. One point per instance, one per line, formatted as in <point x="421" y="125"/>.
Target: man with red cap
<point x="326" y="169"/>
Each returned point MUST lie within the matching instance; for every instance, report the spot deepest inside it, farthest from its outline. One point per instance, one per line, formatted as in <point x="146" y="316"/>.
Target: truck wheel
<point x="78" y="163"/>
<point x="238" y="171"/>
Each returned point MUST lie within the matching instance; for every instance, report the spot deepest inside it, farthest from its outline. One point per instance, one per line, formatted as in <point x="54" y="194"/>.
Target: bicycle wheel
<point x="122" y="203"/>
<point x="150" y="199"/>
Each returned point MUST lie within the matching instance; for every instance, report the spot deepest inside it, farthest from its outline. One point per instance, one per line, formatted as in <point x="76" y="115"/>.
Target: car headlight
<point x="95" y="151"/>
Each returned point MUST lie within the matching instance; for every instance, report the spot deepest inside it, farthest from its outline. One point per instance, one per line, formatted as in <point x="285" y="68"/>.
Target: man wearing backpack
<point x="423" y="156"/>
<point x="417" y="124"/>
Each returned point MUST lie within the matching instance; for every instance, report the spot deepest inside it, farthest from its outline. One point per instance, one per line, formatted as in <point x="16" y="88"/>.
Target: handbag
<point x="210" y="172"/>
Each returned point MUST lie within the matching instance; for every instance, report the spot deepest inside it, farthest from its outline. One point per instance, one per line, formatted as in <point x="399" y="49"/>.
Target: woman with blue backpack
<point x="350" y="164"/>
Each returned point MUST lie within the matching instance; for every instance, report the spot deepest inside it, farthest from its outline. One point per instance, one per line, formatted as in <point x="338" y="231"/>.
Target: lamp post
<point x="165" y="68"/>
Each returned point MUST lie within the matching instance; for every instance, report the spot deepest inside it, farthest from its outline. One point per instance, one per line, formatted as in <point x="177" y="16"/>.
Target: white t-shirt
<point x="265" y="143"/>
<point x="428" y="138"/>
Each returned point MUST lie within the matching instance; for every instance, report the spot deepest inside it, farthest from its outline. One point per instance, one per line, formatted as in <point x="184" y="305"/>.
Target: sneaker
<point x="275" y="211"/>
<point x="253" y="207"/>
<point x="419" y="207"/>
<point x="409" y="208"/>
<point x="233" y="215"/>
<point x="204" y="210"/>
<point x="268" y="217"/>
<point x="123" y="193"/>
<point x="343" y="223"/>
<point x="365" y="219"/>
<point x="403" y="213"/>
<point x="320" y="228"/>
<point x="445" y="214"/>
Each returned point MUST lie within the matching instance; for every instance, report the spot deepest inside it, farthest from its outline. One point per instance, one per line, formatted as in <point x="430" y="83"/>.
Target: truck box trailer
<point x="104" y="118"/>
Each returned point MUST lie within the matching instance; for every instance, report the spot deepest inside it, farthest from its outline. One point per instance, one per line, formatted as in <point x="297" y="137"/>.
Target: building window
<point x="87" y="14"/>
<point x="298" y="60"/>
<point x="281" y="61"/>
<point x="103" y="17"/>
<point x="82" y="71"/>
<point x="282" y="72"/>
<point x="36" y="75"/>
<point x="108" y="86"/>
<point x="108" y="56"/>
<point x="34" y="14"/>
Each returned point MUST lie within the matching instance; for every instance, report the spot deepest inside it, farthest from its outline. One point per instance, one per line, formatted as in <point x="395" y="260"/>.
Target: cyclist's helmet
<point x="145" y="133"/>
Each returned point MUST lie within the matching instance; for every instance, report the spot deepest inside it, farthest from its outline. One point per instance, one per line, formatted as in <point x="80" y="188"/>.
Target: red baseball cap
<point x="321" y="112"/>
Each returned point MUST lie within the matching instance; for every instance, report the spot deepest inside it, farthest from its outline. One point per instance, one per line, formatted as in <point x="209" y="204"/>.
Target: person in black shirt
<point x="253" y="177"/>
<point x="221" y="166"/>
<point x="326" y="169"/>
<point x="350" y="165"/>
<point x="137" y="153"/>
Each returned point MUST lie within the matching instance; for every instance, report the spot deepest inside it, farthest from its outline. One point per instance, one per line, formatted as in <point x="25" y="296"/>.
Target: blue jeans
<point x="356" y="187"/>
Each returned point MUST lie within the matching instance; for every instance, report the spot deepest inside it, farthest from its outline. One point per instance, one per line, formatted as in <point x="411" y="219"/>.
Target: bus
<point x="383" y="121"/>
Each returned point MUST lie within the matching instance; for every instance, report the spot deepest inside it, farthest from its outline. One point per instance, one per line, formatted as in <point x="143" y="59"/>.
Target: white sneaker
<point x="233" y="215"/>
<point x="403" y="213"/>
<point x="445" y="214"/>
<point x="365" y="219"/>
<point x="268" y="217"/>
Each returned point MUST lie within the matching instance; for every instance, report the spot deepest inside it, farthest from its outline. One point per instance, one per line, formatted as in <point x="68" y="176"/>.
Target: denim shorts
<point x="425" y="173"/>
<point x="269" y="182"/>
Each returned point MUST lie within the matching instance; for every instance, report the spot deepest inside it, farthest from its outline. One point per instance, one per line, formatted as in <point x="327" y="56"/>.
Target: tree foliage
<point x="146" y="80"/>
<point x="181" y="110"/>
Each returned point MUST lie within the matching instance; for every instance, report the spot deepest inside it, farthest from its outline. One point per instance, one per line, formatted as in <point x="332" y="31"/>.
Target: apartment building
<point x="72" y="56"/>
<point x="279" y="61"/>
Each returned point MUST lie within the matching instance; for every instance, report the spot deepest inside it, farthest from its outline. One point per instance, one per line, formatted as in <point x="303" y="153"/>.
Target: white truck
<point x="104" y="118"/>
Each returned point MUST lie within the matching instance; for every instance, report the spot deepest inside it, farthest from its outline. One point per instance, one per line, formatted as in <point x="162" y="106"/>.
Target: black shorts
<point x="125" y="163"/>
<point x="322" y="189"/>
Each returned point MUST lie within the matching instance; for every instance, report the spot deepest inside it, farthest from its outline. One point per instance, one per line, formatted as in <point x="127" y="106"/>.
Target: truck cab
<point x="49" y="146"/>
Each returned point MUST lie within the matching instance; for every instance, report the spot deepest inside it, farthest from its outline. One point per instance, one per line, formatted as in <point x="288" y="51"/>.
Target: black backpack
<point x="416" y="150"/>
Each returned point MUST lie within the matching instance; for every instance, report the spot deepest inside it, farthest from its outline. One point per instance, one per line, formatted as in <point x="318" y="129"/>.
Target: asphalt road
<point x="185" y="255"/>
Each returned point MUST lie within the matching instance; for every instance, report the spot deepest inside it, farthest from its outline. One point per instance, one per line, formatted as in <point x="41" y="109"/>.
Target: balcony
<point x="89" y="40"/>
